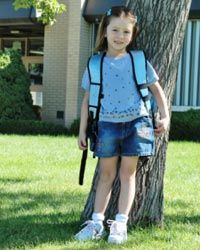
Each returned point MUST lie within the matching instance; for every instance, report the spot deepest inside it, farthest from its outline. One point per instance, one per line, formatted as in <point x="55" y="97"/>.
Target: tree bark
<point x="162" y="26"/>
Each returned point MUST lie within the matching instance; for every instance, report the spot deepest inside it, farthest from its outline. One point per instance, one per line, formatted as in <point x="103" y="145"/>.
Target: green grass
<point x="41" y="201"/>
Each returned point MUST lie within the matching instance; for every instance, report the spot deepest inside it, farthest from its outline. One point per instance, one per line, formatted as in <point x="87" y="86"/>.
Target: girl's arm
<point x="82" y="143"/>
<point x="162" y="124"/>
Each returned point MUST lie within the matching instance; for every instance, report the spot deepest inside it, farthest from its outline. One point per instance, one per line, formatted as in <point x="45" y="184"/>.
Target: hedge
<point x="31" y="127"/>
<point x="184" y="126"/>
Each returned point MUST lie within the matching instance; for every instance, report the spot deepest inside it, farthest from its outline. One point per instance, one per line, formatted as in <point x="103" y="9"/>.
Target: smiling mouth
<point x="118" y="42"/>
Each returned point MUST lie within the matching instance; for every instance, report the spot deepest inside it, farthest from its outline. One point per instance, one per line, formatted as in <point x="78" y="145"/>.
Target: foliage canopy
<point x="47" y="8"/>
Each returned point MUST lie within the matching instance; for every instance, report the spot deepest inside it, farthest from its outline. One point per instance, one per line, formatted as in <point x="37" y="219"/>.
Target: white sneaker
<point x="92" y="231"/>
<point x="118" y="232"/>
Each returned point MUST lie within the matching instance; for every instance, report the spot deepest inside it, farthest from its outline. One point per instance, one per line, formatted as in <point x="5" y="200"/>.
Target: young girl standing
<point x="124" y="128"/>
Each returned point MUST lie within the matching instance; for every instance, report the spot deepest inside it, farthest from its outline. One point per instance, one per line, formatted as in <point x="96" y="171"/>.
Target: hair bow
<point x="109" y="12"/>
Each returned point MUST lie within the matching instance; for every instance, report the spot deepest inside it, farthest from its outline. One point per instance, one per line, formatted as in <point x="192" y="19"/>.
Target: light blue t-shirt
<point x="121" y="101"/>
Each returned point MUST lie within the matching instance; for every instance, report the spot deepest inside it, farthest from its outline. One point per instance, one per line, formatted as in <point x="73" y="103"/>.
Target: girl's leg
<point x="127" y="179"/>
<point x="118" y="229"/>
<point x="106" y="178"/>
<point x="94" y="228"/>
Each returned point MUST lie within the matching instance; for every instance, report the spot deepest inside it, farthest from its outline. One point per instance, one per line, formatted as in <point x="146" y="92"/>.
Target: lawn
<point x="41" y="201"/>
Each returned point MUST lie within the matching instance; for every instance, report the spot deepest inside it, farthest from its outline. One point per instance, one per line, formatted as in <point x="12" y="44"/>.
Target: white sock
<point x="98" y="218"/>
<point x="121" y="218"/>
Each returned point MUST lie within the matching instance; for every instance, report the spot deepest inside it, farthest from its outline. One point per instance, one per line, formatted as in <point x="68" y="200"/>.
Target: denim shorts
<point x="134" y="138"/>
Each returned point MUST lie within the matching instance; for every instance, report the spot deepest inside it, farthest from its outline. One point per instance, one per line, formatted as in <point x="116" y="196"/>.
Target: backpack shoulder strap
<point x="95" y="66"/>
<point x="139" y="66"/>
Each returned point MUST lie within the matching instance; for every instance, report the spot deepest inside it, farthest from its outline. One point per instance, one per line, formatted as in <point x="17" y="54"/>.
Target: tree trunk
<point x="162" y="24"/>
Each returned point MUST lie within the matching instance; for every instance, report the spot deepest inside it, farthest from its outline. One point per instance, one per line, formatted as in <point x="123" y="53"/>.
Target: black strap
<point x="146" y="98"/>
<point x="85" y="152"/>
<point x="82" y="167"/>
<point x="101" y="87"/>
<point x="144" y="86"/>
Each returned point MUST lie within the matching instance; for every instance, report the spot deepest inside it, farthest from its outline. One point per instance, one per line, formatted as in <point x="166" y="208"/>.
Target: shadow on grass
<point x="15" y="180"/>
<point x="32" y="219"/>
<point x="183" y="219"/>
<point x="178" y="203"/>
<point x="181" y="215"/>
<point x="33" y="230"/>
<point x="29" y="219"/>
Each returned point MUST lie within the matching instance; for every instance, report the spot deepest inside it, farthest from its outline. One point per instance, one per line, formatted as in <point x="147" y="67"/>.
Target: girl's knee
<point x="107" y="169"/>
<point x="127" y="173"/>
<point x="107" y="175"/>
<point x="128" y="168"/>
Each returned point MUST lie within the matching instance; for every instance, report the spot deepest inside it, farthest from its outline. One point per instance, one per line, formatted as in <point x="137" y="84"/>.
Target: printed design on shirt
<point x="116" y="114"/>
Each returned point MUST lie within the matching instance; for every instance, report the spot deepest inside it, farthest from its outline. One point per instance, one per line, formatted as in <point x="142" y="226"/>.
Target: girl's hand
<point x="82" y="144"/>
<point x="161" y="126"/>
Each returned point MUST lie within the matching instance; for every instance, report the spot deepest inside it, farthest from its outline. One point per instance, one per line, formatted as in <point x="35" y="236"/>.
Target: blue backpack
<point x="95" y="63"/>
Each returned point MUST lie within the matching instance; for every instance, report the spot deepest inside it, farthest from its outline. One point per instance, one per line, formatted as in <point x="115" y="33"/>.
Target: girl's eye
<point x="127" y="32"/>
<point x="114" y="29"/>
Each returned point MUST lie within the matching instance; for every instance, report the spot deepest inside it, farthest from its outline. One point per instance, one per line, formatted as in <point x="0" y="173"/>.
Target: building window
<point x="37" y="98"/>
<point x="36" y="72"/>
<point x="35" y="47"/>
<point x="60" y="114"/>
<point x="17" y="44"/>
<point x="94" y="35"/>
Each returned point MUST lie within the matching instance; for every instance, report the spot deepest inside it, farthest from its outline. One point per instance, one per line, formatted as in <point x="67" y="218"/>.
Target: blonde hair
<point x="116" y="11"/>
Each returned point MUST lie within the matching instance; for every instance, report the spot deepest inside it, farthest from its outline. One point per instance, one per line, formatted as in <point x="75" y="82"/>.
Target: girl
<point x="124" y="127"/>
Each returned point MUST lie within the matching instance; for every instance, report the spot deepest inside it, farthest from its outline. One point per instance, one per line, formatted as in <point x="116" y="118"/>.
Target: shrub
<point x="37" y="110"/>
<point x="185" y="125"/>
<point x="74" y="128"/>
<point x="24" y="127"/>
<point x="15" y="97"/>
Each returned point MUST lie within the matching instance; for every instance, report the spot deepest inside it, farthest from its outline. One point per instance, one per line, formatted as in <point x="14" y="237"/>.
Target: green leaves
<point x="47" y="8"/>
<point x="4" y="60"/>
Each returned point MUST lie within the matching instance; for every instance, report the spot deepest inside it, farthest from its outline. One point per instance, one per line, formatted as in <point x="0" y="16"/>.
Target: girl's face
<point x="119" y="35"/>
